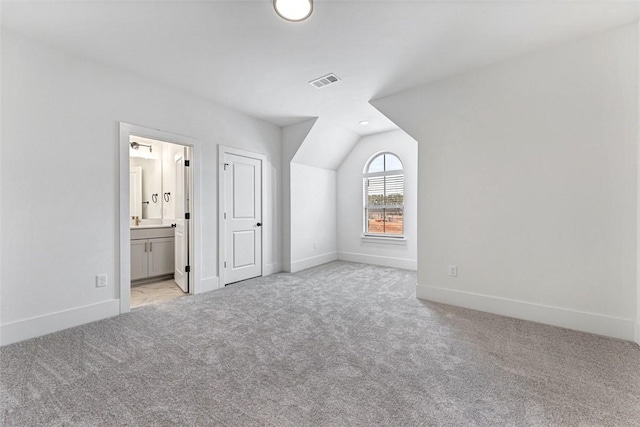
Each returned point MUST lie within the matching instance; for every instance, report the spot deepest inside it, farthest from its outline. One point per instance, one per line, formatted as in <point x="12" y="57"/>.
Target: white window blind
<point x="384" y="196"/>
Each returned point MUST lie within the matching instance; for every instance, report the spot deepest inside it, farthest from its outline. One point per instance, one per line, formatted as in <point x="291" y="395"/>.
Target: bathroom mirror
<point x="151" y="197"/>
<point x="146" y="183"/>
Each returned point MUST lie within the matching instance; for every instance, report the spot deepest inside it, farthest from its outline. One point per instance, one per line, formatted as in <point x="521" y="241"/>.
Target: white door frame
<point x="126" y="130"/>
<point x="221" y="205"/>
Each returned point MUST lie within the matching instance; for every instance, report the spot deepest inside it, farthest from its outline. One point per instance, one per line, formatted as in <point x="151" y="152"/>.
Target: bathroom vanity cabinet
<point x="152" y="252"/>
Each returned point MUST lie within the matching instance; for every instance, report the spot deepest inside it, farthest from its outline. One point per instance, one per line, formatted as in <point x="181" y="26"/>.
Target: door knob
<point x="259" y="224"/>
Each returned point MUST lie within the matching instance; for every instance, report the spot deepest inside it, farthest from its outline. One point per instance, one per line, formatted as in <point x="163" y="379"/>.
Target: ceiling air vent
<point x="324" y="81"/>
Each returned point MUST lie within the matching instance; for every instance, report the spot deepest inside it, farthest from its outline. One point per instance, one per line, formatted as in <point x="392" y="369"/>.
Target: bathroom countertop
<point x="150" y="226"/>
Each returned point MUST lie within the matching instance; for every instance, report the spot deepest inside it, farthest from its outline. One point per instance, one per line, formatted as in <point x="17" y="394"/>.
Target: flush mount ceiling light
<point x="293" y="10"/>
<point x="364" y="122"/>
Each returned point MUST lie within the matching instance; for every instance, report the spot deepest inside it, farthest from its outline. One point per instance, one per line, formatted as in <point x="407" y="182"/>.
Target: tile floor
<point x="151" y="293"/>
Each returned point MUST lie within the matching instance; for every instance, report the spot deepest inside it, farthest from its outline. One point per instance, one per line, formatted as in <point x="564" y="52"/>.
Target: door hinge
<point x="187" y="215"/>
<point x="225" y="264"/>
<point x="225" y="166"/>
<point x="187" y="268"/>
<point x="187" y="163"/>
<point x="225" y="215"/>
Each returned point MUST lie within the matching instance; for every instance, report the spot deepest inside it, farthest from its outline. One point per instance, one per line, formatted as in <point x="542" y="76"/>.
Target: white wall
<point x="63" y="125"/>
<point x="351" y="246"/>
<point x="1" y="181"/>
<point x="325" y="145"/>
<point x="637" y="327"/>
<point x="528" y="183"/>
<point x="292" y="138"/>
<point x="313" y="216"/>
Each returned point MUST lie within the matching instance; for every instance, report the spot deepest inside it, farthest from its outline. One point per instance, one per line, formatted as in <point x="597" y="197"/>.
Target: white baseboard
<point x="48" y="323"/>
<point x="305" y="263"/>
<point x="385" y="261"/>
<point x="599" y="324"/>
<point x="208" y="284"/>
<point x="269" y="269"/>
<point x="638" y="331"/>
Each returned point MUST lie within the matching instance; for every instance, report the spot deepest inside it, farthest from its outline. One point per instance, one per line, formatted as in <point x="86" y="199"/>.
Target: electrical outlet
<point x="453" y="270"/>
<point x="101" y="280"/>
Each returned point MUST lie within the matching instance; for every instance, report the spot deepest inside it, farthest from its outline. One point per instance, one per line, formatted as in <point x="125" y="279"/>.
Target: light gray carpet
<point x="340" y="344"/>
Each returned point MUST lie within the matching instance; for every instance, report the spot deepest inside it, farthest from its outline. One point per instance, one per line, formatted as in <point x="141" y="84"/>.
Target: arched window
<point x="384" y="196"/>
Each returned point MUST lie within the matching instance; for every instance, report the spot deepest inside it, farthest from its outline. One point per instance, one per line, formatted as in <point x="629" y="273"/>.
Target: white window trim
<point x="395" y="239"/>
<point x="386" y="239"/>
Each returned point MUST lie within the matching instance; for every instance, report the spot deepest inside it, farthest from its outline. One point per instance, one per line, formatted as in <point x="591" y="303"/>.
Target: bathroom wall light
<point x="293" y="10"/>
<point x="135" y="151"/>
<point x="137" y="145"/>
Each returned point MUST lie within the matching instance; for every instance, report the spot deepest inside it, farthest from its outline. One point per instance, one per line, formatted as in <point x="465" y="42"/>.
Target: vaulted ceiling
<point x="241" y="54"/>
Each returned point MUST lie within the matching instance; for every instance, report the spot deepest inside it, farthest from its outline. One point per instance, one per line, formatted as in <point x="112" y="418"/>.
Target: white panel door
<point x="243" y="218"/>
<point x="182" y="224"/>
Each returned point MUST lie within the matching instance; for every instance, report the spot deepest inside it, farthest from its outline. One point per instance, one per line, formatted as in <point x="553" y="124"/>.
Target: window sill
<point x="388" y="240"/>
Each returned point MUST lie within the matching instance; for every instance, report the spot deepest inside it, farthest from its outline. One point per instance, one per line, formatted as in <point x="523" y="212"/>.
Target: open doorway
<point x="159" y="196"/>
<point x="156" y="225"/>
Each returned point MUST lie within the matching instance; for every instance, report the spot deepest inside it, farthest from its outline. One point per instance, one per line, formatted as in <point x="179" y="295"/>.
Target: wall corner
<point x="637" y="322"/>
